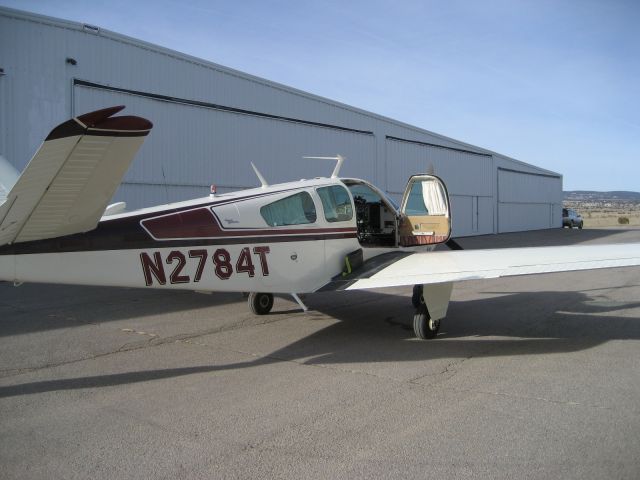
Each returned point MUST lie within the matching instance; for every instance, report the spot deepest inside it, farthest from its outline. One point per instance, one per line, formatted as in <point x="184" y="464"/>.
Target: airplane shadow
<point x="375" y="327"/>
<point x="35" y="307"/>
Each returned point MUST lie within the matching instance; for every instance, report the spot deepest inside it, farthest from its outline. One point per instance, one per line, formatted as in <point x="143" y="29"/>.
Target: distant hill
<point x="591" y="196"/>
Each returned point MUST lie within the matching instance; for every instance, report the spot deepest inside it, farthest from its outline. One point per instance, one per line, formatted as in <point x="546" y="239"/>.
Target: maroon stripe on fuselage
<point x="127" y="233"/>
<point x="201" y="223"/>
<point x="88" y="243"/>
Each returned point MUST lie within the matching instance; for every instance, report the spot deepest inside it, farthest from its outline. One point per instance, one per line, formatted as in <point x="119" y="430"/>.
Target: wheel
<point x="571" y="224"/>
<point x="416" y="298"/>
<point x="423" y="326"/>
<point x="580" y="226"/>
<point x="260" y="303"/>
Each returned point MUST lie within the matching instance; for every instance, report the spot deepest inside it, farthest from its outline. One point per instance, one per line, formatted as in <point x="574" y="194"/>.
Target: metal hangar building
<point x="211" y="121"/>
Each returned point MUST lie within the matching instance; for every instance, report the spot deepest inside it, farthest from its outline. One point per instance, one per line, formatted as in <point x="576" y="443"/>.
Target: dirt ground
<point x="598" y="218"/>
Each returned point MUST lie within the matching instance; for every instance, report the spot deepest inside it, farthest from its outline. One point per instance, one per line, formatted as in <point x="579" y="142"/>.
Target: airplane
<point x="322" y="234"/>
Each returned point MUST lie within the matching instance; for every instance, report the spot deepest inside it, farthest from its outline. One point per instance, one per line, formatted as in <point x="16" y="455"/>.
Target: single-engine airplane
<point x="311" y="235"/>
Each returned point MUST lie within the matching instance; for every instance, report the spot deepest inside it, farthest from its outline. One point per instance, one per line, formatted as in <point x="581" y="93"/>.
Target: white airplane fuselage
<point x="226" y="242"/>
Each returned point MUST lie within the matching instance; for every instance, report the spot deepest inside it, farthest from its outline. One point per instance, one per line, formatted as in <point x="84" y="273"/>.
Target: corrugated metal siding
<point x="464" y="173"/>
<point x="522" y="187"/>
<point x="528" y="201"/>
<point x="515" y="217"/>
<point x="191" y="147"/>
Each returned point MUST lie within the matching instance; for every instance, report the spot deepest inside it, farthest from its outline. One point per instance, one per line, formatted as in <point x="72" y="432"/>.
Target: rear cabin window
<point x="336" y="203"/>
<point x="297" y="209"/>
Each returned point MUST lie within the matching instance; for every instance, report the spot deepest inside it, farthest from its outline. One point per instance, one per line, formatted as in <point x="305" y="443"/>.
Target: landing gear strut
<point x="260" y="303"/>
<point x="431" y="303"/>
<point x="416" y="298"/>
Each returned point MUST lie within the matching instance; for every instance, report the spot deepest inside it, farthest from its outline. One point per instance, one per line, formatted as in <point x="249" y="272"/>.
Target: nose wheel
<point x="260" y="303"/>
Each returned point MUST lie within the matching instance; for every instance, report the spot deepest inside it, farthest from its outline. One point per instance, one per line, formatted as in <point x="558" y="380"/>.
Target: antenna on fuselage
<point x="339" y="161"/>
<point x="263" y="182"/>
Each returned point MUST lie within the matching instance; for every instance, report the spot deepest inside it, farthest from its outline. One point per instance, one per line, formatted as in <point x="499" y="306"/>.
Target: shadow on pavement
<point x="374" y="327"/>
<point x="34" y="308"/>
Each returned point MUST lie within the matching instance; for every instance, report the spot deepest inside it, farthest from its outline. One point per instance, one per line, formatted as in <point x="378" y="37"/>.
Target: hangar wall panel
<point x="528" y="201"/>
<point x="198" y="146"/>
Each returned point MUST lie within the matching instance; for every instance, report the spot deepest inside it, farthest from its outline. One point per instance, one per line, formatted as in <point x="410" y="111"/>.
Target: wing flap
<point x="454" y="266"/>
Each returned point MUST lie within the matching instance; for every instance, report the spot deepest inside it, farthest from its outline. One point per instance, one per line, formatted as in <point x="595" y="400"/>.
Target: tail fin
<point x="70" y="180"/>
<point x="8" y="178"/>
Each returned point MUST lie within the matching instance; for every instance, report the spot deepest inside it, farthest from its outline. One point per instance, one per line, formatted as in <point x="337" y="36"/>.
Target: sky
<point x="552" y="83"/>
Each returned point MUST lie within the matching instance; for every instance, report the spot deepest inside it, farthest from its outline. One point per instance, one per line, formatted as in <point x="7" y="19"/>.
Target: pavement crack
<point x="530" y="397"/>
<point x="448" y="372"/>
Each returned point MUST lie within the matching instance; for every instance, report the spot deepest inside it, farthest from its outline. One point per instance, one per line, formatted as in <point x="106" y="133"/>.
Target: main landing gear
<point x="431" y="302"/>
<point x="260" y="303"/>
<point x="423" y="325"/>
<point x="426" y="321"/>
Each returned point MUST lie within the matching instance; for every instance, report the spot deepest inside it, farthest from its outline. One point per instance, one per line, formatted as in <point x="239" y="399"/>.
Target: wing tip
<point x="96" y="117"/>
<point x="102" y="122"/>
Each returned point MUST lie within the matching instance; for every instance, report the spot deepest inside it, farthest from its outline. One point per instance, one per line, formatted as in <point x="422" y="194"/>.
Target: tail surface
<point x="68" y="183"/>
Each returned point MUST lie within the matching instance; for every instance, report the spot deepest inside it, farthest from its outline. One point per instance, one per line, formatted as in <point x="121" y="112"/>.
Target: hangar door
<point x="467" y="175"/>
<point x="194" y="144"/>
<point x="528" y="201"/>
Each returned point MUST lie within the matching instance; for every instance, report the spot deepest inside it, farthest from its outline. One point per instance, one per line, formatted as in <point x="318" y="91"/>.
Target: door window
<point x="425" y="209"/>
<point x="336" y="203"/>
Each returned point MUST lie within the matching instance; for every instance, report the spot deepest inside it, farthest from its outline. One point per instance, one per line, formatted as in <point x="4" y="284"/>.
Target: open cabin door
<point x="426" y="218"/>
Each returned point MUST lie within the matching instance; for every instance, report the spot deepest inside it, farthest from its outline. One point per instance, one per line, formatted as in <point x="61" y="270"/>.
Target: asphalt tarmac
<point x="530" y="377"/>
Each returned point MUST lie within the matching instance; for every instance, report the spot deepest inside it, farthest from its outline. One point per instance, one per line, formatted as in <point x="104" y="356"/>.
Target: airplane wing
<point x="407" y="268"/>
<point x="70" y="180"/>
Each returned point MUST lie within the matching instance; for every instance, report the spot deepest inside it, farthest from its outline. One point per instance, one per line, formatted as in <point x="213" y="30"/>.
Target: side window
<point x="336" y="203"/>
<point x="294" y="210"/>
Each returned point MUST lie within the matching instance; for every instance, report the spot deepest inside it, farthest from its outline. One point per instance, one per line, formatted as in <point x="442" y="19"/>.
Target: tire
<point x="423" y="327"/>
<point x="260" y="303"/>
<point x="580" y="226"/>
